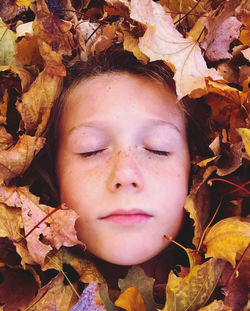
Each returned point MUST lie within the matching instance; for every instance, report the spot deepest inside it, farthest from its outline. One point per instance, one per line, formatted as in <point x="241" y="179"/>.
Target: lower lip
<point x="128" y="219"/>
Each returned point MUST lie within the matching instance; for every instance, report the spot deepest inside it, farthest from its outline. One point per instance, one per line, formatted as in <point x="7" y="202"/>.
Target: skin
<point x="130" y="117"/>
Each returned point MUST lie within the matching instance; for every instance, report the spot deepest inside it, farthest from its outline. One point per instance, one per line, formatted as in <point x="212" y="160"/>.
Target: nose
<point x="125" y="173"/>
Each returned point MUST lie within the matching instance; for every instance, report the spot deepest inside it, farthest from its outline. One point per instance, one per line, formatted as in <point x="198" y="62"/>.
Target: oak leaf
<point x="131" y="300"/>
<point x="16" y="160"/>
<point x="228" y="239"/>
<point x="162" y="41"/>
<point x="89" y="300"/>
<point x="194" y="290"/>
<point x="7" y="45"/>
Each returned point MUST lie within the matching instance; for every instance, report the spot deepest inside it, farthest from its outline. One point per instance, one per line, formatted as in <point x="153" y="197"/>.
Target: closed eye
<point x="159" y="152"/>
<point x="91" y="153"/>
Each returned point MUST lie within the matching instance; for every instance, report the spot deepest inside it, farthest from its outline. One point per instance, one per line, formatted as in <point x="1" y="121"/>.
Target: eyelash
<point x="93" y="153"/>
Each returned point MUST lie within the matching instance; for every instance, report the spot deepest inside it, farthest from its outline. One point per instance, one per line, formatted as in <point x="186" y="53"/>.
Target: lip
<point x="127" y="217"/>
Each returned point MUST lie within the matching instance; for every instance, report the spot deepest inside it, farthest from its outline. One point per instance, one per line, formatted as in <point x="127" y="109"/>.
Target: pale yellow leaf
<point x="162" y="41"/>
<point x="7" y="45"/>
<point x="245" y="135"/>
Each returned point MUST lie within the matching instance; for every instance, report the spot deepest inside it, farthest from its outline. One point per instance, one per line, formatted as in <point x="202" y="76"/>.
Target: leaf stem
<point x="229" y="281"/>
<point x="231" y="183"/>
<point x="188" y="13"/>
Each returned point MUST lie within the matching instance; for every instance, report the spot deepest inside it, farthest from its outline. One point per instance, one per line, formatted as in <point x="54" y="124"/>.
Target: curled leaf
<point x="16" y="160"/>
<point x="227" y="238"/>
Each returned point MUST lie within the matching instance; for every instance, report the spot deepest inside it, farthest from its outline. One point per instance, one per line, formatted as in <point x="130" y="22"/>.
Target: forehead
<point x="111" y="95"/>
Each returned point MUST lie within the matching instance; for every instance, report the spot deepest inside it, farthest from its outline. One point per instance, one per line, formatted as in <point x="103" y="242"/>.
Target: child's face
<point x="127" y="195"/>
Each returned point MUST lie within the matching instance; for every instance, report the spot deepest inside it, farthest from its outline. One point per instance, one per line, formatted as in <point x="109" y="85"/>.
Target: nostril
<point x="134" y="185"/>
<point x="118" y="185"/>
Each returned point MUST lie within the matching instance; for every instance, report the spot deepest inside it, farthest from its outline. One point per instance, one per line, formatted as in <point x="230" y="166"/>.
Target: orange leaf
<point x="131" y="300"/>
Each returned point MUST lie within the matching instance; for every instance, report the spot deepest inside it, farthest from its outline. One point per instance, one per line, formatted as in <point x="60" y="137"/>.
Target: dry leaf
<point x="198" y="205"/>
<point x="90" y="299"/>
<point x="58" y="229"/>
<point x="162" y="41"/>
<point x="3" y="107"/>
<point x="26" y="3"/>
<point x="24" y="286"/>
<point x="7" y="45"/>
<point x="228" y="238"/>
<point x="220" y="36"/>
<point x="16" y="160"/>
<point x="24" y="29"/>
<point x="54" y="296"/>
<point x="28" y="52"/>
<point x="194" y="290"/>
<point x="216" y="305"/>
<point x="9" y="9"/>
<point x="131" y="300"/>
<point x="137" y="277"/>
<point x="245" y="135"/>
<point x="35" y="110"/>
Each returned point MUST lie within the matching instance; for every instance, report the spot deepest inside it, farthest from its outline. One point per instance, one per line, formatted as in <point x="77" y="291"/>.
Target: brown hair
<point x="107" y="62"/>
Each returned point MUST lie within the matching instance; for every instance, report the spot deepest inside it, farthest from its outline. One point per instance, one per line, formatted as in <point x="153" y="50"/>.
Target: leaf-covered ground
<point x="43" y="266"/>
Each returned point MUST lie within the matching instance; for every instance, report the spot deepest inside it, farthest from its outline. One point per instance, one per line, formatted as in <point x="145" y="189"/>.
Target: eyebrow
<point x="101" y="125"/>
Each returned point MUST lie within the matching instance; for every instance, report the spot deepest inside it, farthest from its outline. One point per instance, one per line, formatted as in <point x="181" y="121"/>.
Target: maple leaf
<point x="137" y="277"/>
<point x="7" y="45"/>
<point x="227" y="238"/>
<point x="57" y="229"/>
<point x="131" y="300"/>
<point x="54" y="296"/>
<point x="193" y="291"/>
<point x="16" y="160"/>
<point x="162" y="41"/>
<point x="90" y="299"/>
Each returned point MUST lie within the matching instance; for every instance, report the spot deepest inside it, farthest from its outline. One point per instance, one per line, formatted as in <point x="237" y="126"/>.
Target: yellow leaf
<point x="7" y="45"/>
<point x="245" y="135"/>
<point x="131" y="300"/>
<point x="162" y="41"/>
<point x="227" y="238"/>
<point x="3" y="107"/>
<point x="216" y="305"/>
<point x="26" y="3"/>
<point x="193" y="291"/>
<point x="206" y="161"/>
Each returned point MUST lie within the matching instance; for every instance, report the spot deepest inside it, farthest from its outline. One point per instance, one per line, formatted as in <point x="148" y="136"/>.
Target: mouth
<point x="124" y="217"/>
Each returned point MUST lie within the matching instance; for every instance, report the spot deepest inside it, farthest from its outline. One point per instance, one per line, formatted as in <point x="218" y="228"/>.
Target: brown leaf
<point x="198" y="205"/>
<point x="52" y="30"/>
<point x="36" y="104"/>
<point x="105" y="39"/>
<point x="90" y="299"/>
<point x="54" y="296"/>
<point x="16" y="160"/>
<point x="8" y="255"/>
<point x="3" y="107"/>
<point x="17" y="289"/>
<point x="28" y="52"/>
<point x="131" y="300"/>
<point x="228" y="238"/>
<point x="9" y="9"/>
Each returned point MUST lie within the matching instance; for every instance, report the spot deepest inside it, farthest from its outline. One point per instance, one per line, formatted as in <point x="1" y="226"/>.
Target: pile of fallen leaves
<point x="206" y="44"/>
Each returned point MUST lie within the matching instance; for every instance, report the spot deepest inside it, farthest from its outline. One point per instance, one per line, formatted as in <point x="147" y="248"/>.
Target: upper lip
<point x="134" y="211"/>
